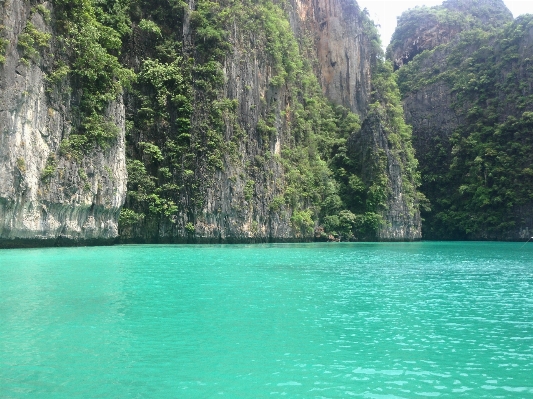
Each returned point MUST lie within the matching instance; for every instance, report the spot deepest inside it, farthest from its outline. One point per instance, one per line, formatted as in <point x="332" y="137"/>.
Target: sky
<point x="384" y="12"/>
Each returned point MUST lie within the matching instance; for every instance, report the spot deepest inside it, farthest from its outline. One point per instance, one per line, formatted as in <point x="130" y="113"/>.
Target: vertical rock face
<point x="469" y="104"/>
<point x="45" y="197"/>
<point x="401" y="216"/>
<point x="230" y="130"/>
<point x="429" y="34"/>
<point x="344" y="64"/>
<point x="238" y="206"/>
<point x="345" y="61"/>
<point x="238" y="197"/>
<point x="343" y="51"/>
<point x="229" y="202"/>
<point x="258" y="192"/>
<point x="430" y="110"/>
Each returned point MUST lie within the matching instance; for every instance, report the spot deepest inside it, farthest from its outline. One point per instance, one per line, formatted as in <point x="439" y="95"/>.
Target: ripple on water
<point x="324" y="321"/>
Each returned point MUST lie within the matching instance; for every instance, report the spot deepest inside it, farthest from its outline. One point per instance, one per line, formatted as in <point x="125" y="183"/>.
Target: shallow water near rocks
<point x="254" y="321"/>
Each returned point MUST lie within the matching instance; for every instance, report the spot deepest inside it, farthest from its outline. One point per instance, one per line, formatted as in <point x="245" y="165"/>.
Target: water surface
<point x="301" y="321"/>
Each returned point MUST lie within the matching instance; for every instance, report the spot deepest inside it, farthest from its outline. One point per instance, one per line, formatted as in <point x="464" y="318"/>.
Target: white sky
<point x="384" y="12"/>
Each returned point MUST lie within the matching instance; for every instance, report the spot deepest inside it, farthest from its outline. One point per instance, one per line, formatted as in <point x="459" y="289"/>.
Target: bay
<point x="370" y="320"/>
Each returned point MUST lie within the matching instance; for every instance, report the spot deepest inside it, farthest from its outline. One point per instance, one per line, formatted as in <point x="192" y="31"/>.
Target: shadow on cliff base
<point x="54" y="242"/>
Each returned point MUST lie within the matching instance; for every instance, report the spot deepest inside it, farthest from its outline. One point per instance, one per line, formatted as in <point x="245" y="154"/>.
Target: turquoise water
<point x="301" y="321"/>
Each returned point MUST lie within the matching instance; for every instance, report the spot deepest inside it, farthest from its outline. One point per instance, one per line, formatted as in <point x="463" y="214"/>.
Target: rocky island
<point x="256" y="121"/>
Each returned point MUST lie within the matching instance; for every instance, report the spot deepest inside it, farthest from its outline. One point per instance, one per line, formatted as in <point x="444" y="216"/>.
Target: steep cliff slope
<point x="47" y="195"/>
<point x="342" y="52"/>
<point x="424" y="28"/>
<point x="255" y="153"/>
<point x="469" y="102"/>
<point x="237" y="121"/>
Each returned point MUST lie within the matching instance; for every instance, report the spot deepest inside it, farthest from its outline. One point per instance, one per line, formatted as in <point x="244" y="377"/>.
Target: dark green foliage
<point x="129" y="217"/>
<point x="249" y="190"/>
<point x="95" y="130"/>
<point x="150" y="27"/>
<point x="303" y="223"/>
<point x="90" y="43"/>
<point x="45" y="12"/>
<point x="143" y="190"/>
<point x="3" y="45"/>
<point x="189" y="228"/>
<point x="31" y="41"/>
<point x="173" y="159"/>
<point x="153" y="153"/>
<point x="21" y="165"/>
<point x="49" y="170"/>
<point x="479" y="177"/>
<point x="422" y="28"/>
<point x="209" y="37"/>
<point x="182" y="131"/>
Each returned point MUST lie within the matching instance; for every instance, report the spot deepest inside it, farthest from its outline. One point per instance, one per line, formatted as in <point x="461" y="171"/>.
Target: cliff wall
<point x="343" y="52"/>
<point x="469" y="104"/>
<point x="229" y="122"/>
<point x="379" y="160"/>
<point x="45" y="197"/>
<point x="284" y="68"/>
<point x="424" y="28"/>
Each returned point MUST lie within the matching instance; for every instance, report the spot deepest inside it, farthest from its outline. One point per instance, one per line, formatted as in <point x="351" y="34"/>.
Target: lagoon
<point x="337" y="320"/>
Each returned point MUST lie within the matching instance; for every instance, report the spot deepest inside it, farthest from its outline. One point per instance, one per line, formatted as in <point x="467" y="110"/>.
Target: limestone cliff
<point x="343" y="50"/>
<point x="45" y="197"/>
<point x="469" y="103"/>
<point x="230" y="121"/>
<point x="378" y="160"/>
<point x="424" y="28"/>
<point x="272" y="181"/>
<point x="351" y="74"/>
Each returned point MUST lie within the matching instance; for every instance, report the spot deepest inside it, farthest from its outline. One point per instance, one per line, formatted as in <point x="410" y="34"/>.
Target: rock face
<point x="346" y="61"/>
<point x="258" y="194"/>
<point x="424" y="28"/>
<point x="231" y="123"/>
<point x="402" y="217"/>
<point x="468" y="103"/>
<point x="343" y="51"/>
<point x="46" y="198"/>
<point x="345" y="65"/>
<point x="431" y="110"/>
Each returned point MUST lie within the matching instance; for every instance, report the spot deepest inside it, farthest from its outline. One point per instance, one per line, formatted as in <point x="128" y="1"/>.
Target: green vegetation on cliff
<point x="480" y="179"/>
<point x="89" y="46"/>
<point x="424" y="28"/>
<point x="274" y="144"/>
<point x="197" y="134"/>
